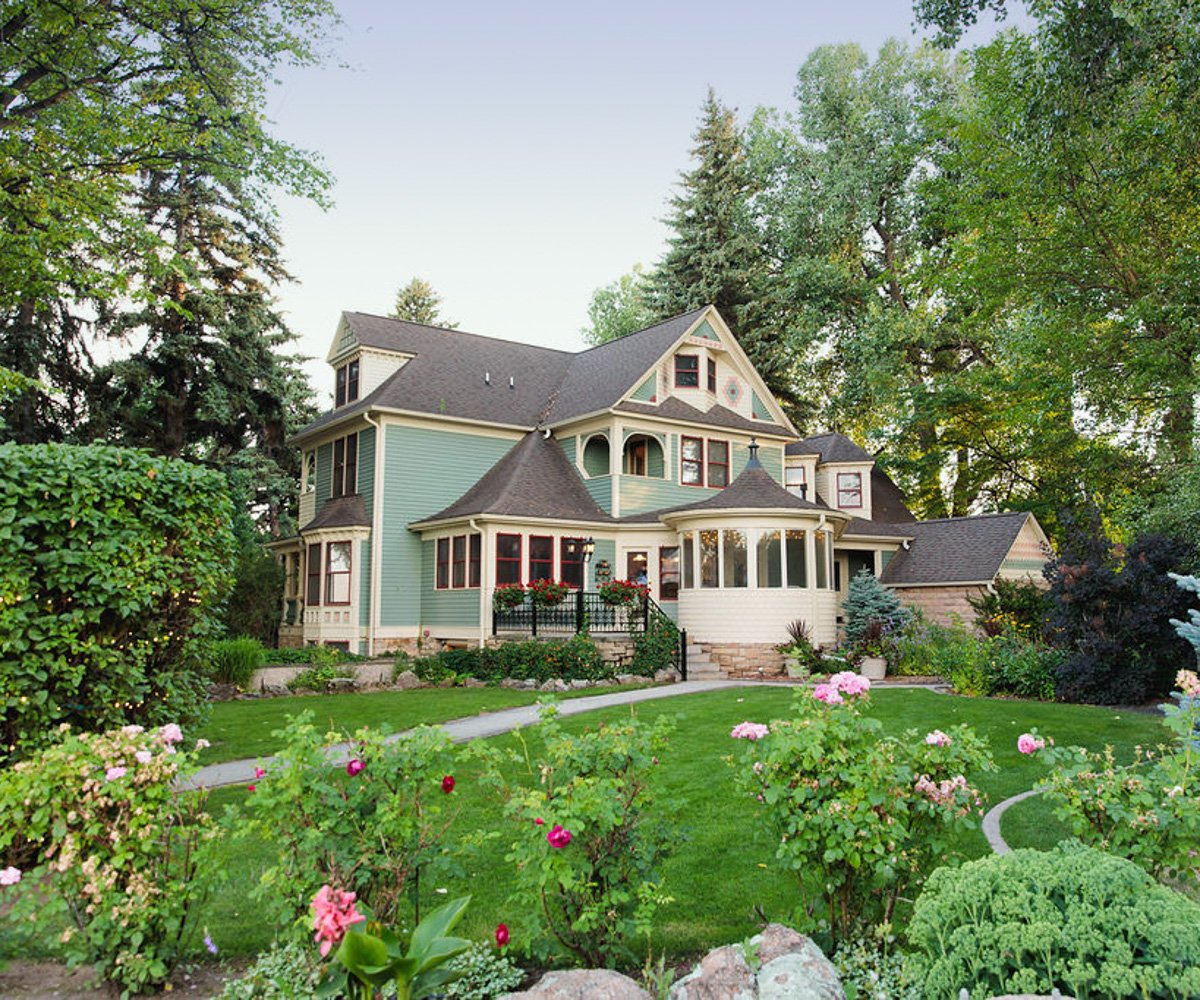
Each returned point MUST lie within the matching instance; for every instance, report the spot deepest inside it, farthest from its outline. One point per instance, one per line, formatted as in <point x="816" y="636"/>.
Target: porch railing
<point x="579" y="611"/>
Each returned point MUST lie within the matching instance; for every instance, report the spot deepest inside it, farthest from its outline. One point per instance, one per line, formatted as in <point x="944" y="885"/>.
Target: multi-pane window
<point x="691" y="463"/>
<point x="849" y="489"/>
<point x="797" y="566"/>
<point x="770" y="564"/>
<point x="442" y="572"/>
<point x="459" y="562"/>
<point x="712" y="375"/>
<point x="345" y="466"/>
<point x="735" y="557"/>
<point x="687" y="370"/>
<point x="337" y="573"/>
<point x="570" y="562"/>
<point x="709" y="543"/>
<point x="312" y="591"/>
<point x="668" y="573"/>
<point x="689" y="562"/>
<point x="346" y="384"/>
<point x="795" y="480"/>
<point x="474" y="559"/>
<point x="508" y="559"/>
<point x="718" y="464"/>
<point x="541" y="557"/>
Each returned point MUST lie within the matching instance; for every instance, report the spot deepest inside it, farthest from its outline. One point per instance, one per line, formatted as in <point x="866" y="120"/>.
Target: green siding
<point x="645" y="392"/>
<point x="569" y="447"/>
<point x="595" y="455"/>
<point x="885" y="557"/>
<point x="758" y="407"/>
<point x="445" y="607"/>
<point x="671" y="609"/>
<point x="425" y="471"/>
<point x="366" y="489"/>
<point x="640" y="493"/>
<point x="606" y="550"/>
<point x="600" y="487"/>
<point x="654" y="456"/>
<point x="706" y="331"/>
<point x="324" y="474"/>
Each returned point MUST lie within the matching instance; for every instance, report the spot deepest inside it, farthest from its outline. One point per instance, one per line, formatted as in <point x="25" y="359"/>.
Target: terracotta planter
<point x="873" y="668"/>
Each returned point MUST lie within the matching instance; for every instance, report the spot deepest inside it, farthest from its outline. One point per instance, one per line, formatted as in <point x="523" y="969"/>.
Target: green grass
<point x="721" y="874"/>
<point x="240" y="730"/>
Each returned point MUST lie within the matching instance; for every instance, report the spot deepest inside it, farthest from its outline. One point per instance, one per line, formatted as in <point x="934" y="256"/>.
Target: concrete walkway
<point x="240" y="772"/>
<point x="991" y="822"/>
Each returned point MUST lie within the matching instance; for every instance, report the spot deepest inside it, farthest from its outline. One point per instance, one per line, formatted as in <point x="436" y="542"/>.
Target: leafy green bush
<point x="857" y="819"/>
<point x="368" y="826"/>
<point x="871" y="972"/>
<point x="1073" y="918"/>
<point x="577" y="658"/>
<point x="119" y="852"/>
<point x="588" y="844"/>
<point x="482" y="974"/>
<point x="311" y="654"/>
<point x="254" y="603"/>
<point x="284" y="972"/>
<point x="317" y="678"/>
<point x="1018" y="607"/>
<point x="654" y="649"/>
<point x="232" y="661"/>
<point x="114" y="565"/>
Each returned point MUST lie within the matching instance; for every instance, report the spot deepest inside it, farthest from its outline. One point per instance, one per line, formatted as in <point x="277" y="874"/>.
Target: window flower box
<point x="547" y="593"/>
<point x="618" y="593"/>
<point x="507" y="596"/>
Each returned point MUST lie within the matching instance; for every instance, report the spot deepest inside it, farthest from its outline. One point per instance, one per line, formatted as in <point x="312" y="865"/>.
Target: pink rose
<point x="558" y="837"/>
<point x="938" y="739"/>
<point x="1028" y="743"/>
<point x="539" y="822"/>
<point x="827" y="693"/>
<point x="113" y="773"/>
<point x="170" y="733"/>
<point x="10" y="876"/>
<point x="354" y="767"/>
<point x="749" y="731"/>
<point x="848" y="682"/>
<point x="259" y="772"/>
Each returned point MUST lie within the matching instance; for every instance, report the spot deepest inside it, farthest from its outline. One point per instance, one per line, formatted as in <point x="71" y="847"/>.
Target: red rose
<point x="501" y="935"/>
<point x="448" y="784"/>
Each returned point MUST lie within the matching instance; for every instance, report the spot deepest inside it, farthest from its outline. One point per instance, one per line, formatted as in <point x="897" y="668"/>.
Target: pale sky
<point x="519" y="155"/>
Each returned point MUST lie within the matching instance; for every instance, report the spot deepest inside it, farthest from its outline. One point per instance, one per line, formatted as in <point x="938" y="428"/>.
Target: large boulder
<point x="784" y="965"/>
<point x="583" y="984"/>
<point x="723" y="974"/>
<point x="406" y="680"/>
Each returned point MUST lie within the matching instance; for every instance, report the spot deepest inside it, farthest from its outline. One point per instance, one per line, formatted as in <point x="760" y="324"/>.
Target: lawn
<point x="720" y="876"/>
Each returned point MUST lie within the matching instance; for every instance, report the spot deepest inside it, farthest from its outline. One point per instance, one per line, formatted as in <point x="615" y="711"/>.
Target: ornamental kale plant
<point x="587" y="845"/>
<point x="118" y="851"/>
<point x="368" y="826"/>
<point x="857" y="818"/>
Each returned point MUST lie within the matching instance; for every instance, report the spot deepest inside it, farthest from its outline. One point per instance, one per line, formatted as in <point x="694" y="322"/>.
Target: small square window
<point x="849" y="489"/>
<point x="687" y="370"/>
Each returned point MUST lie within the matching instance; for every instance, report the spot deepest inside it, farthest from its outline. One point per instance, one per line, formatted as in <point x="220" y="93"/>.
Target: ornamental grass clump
<point x="367" y="826"/>
<point x="115" y="853"/>
<point x="588" y="843"/>
<point x="856" y="817"/>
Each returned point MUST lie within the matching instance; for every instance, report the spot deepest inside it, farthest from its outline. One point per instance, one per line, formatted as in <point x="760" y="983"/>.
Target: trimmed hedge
<point x="115" y="563"/>
<point x="1074" y="918"/>
<point x="577" y="658"/>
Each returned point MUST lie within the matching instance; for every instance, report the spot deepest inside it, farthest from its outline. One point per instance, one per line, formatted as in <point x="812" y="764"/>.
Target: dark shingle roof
<point x="754" y="489"/>
<point x="887" y="502"/>
<point x="340" y="512"/>
<point x="674" y="408"/>
<point x="955" y="549"/>
<point x="832" y="447"/>
<point x="533" y="479"/>
<point x="878" y="529"/>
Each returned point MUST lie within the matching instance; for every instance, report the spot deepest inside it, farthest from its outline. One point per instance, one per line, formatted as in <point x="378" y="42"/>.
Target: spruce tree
<point x="868" y="600"/>
<point x="417" y="302"/>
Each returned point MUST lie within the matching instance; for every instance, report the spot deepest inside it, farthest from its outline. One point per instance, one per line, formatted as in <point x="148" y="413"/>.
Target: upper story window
<point x="337" y="573"/>
<point x="718" y="464"/>
<point x="691" y="461"/>
<point x="687" y="370"/>
<point x="849" y="489"/>
<point x="712" y="374"/>
<point x="346" y="384"/>
<point x="795" y="480"/>
<point x="703" y="463"/>
<point x="345" y="466"/>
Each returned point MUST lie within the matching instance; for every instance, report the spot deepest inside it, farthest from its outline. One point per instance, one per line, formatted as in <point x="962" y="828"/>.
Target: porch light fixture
<point x="589" y="548"/>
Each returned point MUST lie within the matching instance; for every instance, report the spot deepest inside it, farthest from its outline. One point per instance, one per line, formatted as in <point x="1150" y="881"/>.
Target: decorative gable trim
<point x="647" y="392"/>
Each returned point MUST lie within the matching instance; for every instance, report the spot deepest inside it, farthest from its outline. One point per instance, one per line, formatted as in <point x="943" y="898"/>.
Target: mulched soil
<point x="26" y="980"/>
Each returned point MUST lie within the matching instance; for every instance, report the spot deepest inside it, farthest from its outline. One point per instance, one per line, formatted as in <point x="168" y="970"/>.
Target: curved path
<point x="239" y="772"/>
<point x="991" y="822"/>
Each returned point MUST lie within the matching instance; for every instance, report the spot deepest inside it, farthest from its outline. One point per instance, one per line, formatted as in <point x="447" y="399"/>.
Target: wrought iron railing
<point x="579" y="611"/>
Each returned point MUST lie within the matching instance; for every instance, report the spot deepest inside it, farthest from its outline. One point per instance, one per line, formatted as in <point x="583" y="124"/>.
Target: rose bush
<point x="857" y="818"/>
<point x="118" y="854"/>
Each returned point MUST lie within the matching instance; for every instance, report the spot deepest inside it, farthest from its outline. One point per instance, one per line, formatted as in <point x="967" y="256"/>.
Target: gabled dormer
<point x="359" y="369"/>
<point x="837" y="469"/>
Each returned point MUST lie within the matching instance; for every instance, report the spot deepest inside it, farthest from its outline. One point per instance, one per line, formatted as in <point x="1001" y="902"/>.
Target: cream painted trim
<point x="283" y="545"/>
<point x="412" y="418"/>
<point x="681" y="517"/>
<point x="376" y="588"/>
<point x="709" y="430"/>
<point x="944" y="583"/>
<point x="893" y="540"/>
<point x="431" y="529"/>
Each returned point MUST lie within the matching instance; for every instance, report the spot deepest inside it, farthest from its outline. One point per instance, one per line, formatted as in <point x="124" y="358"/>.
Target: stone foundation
<point x="410" y="645"/>
<point x="941" y="605"/>
<point x="754" y="660"/>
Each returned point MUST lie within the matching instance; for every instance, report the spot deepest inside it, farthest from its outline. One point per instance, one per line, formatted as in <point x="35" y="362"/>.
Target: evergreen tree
<point x="417" y="302"/>
<point x="868" y="600"/>
<point x="714" y="255"/>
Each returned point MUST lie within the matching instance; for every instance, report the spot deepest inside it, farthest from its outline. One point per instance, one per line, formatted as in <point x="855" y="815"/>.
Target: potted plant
<point x="800" y="656"/>
<point x="622" y="592"/>
<point x="873" y="648"/>
<point x="507" y="596"/>
<point x="547" y="593"/>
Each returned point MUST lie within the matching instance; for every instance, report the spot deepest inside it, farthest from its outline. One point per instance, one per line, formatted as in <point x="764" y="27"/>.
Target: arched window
<point x="595" y="456"/>
<point x="642" y="456"/>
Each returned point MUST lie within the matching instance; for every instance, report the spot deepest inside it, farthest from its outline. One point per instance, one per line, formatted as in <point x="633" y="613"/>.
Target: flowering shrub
<point x="368" y="826"/>
<point x="1147" y="811"/>
<point x="856" y="817"/>
<point x="118" y="851"/>
<point x="508" y="595"/>
<point x="618" y="592"/>
<point x="547" y="593"/>
<point x="1073" y="918"/>
<point x="587" y="849"/>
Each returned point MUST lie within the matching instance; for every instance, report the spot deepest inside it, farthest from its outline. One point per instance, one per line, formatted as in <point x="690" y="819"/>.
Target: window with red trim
<point x="668" y="573"/>
<point x="849" y="489"/>
<point x="570" y="562"/>
<point x="442" y="575"/>
<point x="712" y="375"/>
<point x="337" y="573"/>
<point x="718" y="464"/>
<point x="475" y="550"/>
<point x="459" y="564"/>
<point x="541" y="557"/>
<point x="691" y="461"/>
<point x="687" y="370"/>
<point x="508" y="559"/>
<point x="312" y="596"/>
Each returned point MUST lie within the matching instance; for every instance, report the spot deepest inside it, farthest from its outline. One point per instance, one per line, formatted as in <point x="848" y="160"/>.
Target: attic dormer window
<point x="849" y="489"/>
<point x="687" y="370"/>
<point x="346" y="384"/>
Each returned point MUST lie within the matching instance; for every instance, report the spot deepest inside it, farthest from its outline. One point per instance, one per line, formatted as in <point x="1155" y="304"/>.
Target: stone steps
<point x="701" y="666"/>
